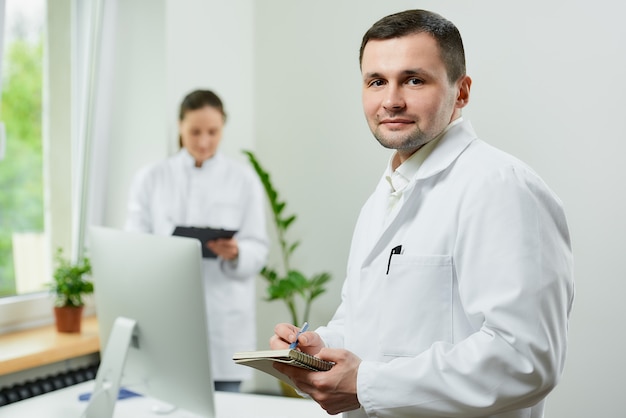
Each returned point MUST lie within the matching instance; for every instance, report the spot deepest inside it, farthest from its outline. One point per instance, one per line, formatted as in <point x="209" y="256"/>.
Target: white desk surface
<point x="64" y="403"/>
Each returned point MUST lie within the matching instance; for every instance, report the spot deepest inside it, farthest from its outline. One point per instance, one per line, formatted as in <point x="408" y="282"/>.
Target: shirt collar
<point x="402" y="175"/>
<point x="189" y="161"/>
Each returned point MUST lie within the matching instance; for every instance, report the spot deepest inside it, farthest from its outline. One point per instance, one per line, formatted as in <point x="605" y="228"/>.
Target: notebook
<point x="264" y="360"/>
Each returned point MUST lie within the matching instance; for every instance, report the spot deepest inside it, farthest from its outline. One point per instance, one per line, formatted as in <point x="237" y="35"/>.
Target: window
<point x="35" y="177"/>
<point x="21" y="170"/>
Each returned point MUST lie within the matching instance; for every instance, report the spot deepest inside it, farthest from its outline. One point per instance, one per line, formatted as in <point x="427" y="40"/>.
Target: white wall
<point x="139" y="123"/>
<point x="209" y="46"/>
<point x="548" y="87"/>
<point x="165" y="49"/>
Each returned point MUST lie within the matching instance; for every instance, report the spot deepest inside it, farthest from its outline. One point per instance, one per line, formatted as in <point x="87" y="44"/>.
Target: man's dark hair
<point x="411" y="22"/>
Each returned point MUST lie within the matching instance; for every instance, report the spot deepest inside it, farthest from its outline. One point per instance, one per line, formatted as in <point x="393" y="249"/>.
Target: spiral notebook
<point x="263" y="360"/>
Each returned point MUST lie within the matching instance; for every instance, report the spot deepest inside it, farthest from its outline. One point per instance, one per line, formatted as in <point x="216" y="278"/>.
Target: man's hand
<point x="284" y="334"/>
<point x="334" y="390"/>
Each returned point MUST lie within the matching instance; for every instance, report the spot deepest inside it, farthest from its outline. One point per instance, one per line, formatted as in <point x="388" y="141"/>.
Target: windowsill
<point x="40" y="346"/>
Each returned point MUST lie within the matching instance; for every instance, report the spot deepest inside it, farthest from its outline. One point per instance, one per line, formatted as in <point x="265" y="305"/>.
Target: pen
<point x="294" y="344"/>
<point x="394" y="250"/>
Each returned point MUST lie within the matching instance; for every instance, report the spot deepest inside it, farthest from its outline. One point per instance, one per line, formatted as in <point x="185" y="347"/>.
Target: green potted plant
<point x="70" y="284"/>
<point x="291" y="286"/>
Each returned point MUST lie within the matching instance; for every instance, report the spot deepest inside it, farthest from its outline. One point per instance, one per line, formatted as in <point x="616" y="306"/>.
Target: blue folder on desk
<point x="123" y="394"/>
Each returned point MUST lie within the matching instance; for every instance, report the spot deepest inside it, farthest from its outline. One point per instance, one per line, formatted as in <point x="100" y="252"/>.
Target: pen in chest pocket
<point x="395" y="250"/>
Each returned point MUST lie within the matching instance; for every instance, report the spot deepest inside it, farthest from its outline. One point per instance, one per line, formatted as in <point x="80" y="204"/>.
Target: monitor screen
<point x="156" y="282"/>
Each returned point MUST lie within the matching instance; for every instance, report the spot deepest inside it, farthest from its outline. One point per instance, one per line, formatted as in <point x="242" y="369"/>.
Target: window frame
<point x="60" y="69"/>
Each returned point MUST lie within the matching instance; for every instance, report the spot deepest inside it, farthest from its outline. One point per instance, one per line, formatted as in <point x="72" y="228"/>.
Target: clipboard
<point x="204" y="235"/>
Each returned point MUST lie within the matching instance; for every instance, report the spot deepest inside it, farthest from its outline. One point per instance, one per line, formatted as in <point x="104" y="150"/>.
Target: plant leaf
<point x="294" y="282"/>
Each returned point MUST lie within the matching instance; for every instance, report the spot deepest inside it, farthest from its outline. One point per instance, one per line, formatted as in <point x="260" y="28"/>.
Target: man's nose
<point x="394" y="98"/>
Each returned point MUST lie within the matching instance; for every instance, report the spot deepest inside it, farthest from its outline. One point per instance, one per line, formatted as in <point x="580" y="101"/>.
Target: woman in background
<point x="200" y="187"/>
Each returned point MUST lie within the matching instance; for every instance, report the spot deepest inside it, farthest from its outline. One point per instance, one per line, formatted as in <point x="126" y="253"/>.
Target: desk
<point x="64" y="403"/>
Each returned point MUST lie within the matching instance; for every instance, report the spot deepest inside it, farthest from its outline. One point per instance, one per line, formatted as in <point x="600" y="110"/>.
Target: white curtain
<point x="94" y="42"/>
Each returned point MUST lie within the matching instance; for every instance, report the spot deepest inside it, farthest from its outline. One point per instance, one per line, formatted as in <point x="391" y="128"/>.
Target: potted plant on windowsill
<point x="291" y="286"/>
<point x="70" y="284"/>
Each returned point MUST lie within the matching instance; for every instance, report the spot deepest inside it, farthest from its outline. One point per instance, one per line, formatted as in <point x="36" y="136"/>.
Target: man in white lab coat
<point x="459" y="280"/>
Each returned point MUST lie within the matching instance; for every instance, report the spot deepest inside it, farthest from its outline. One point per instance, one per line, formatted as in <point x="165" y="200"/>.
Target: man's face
<point x="407" y="97"/>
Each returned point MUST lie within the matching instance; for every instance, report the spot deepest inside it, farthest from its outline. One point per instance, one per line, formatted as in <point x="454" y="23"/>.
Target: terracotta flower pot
<point x="68" y="318"/>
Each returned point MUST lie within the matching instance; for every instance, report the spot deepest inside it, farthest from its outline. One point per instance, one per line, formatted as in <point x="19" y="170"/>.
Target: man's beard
<point x="411" y="141"/>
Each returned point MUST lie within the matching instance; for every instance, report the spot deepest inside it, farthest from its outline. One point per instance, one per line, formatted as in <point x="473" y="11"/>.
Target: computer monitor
<point x="152" y="319"/>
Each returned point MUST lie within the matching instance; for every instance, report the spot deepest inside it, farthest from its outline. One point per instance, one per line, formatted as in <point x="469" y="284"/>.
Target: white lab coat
<point x="221" y="194"/>
<point x="471" y="319"/>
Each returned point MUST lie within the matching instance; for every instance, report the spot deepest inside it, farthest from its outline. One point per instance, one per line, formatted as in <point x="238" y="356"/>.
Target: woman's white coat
<point x="220" y="194"/>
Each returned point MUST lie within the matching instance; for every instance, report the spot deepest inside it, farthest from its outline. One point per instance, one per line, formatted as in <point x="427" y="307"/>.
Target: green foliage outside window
<point x="21" y="171"/>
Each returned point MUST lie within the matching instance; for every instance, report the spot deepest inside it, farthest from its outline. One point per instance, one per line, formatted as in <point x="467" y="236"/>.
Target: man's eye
<point x="376" y="83"/>
<point x="415" y="81"/>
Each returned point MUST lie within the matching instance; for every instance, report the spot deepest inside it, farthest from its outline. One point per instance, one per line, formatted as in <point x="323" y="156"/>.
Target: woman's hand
<point x="225" y="248"/>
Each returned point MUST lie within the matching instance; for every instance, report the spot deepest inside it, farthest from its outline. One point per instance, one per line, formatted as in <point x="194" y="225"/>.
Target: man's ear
<point x="464" y="84"/>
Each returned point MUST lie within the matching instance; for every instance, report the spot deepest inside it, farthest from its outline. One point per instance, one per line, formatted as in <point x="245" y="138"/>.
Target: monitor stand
<point x="109" y="376"/>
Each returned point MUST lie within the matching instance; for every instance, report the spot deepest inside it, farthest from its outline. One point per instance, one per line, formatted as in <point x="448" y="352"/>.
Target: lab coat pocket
<point x="416" y="304"/>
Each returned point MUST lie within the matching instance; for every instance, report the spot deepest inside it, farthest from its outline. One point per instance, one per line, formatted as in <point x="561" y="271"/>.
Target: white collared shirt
<point x="400" y="177"/>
